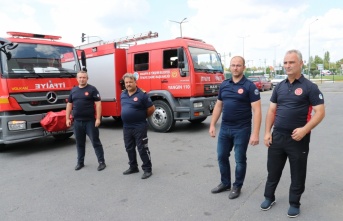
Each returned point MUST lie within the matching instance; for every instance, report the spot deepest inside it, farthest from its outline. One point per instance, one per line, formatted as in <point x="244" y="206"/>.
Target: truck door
<point x="176" y="78"/>
<point x="142" y="70"/>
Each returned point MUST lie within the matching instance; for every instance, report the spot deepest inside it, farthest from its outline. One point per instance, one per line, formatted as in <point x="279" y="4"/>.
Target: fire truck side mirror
<point x="181" y="65"/>
<point x="183" y="74"/>
<point x="12" y="46"/>
<point x="122" y="84"/>
<point x="8" y="55"/>
<point x="83" y="60"/>
<point x="5" y="44"/>
<point x="180" y="54"/>
<point x="181" y="58"/>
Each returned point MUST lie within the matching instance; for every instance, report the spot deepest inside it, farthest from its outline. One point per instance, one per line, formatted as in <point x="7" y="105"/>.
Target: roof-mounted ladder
<point x="136" y="37"/>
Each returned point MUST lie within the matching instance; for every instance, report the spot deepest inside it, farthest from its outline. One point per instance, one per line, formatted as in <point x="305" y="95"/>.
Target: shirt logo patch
<point x="256" y="91"/>
<point x="135" y="99"/>
<point x="240" y="91"/>
<point x="298" y="91"/>
<point x="86" y="93"/>
<point x="320" y="96"/>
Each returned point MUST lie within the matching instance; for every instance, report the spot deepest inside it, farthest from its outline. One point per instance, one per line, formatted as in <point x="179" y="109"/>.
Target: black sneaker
<point x="79" y="166"/>
<point x="235" y="192"/>
<point x="293" y="212"/>
<point x="131" y="170"/>
<point x="101" y="166"/>
<point x="267" y="204"/>
<point x="146" y="175"/>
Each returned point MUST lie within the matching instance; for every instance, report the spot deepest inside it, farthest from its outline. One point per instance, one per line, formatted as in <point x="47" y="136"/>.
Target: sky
<point x="260" y="30"/>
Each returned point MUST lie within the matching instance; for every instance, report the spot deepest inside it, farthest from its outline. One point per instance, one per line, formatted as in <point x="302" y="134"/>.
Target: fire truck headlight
<point x="198" y="104"/>
<point x="17" y="125"/>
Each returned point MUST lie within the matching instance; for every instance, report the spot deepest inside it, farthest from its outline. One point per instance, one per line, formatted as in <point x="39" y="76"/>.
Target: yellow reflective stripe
<point x="4" y="101"/>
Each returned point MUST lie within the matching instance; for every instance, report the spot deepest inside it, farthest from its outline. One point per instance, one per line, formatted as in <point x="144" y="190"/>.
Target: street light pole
<point x="309" y="48"/>
<point x="275" y="58"/>
<point x="243" y="37"/>
<point x="180" y="22"/>
<point x="275" y="54"/>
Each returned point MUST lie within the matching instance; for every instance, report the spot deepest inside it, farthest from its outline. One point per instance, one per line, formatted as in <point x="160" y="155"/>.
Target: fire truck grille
<point x="43" y="94"/>
<point x="42" y="101"/>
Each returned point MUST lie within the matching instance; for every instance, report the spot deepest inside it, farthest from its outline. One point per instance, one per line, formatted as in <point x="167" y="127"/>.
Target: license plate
<point x="54" y="132"/>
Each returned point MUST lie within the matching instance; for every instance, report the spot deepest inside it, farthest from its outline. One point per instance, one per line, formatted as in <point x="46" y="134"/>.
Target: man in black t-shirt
<point x="82" y="100"/>
<point x="289" y="114"/>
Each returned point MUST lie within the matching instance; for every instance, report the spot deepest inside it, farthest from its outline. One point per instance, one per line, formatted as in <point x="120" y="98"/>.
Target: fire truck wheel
<point x="63" y="136"/>
<point x="118" y="119"/>
<point x="197" y="121"/>
<point x="162" y="120"/>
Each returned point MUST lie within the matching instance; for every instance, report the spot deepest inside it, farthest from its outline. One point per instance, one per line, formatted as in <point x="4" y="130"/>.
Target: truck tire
<point x="118" y="119"/>
<point x="62" y="136"/>
<point x="197" y="121"/>
<point x="162" y="120"/>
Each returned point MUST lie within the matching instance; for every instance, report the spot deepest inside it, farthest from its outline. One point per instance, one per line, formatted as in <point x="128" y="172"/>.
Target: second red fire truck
<point x="182" y="76"/>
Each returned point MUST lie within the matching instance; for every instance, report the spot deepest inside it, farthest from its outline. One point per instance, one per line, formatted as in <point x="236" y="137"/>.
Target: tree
<point x="326" y="60"/>
<point x="314" y="62"/>
<point x="317" y="60"/>
<point x="268" y="70"/>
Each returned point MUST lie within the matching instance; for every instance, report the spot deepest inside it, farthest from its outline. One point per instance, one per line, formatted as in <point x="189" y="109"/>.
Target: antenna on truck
<point x="135" y="38"/>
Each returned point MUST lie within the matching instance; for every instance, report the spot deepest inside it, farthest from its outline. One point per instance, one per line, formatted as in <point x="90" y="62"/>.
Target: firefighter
<point x="136" y="107"/>
<point x="240" y="102"/>
<point x="81" y="100"/>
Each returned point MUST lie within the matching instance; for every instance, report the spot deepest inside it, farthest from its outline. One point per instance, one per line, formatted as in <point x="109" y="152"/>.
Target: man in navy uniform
<point x="289" y="113"/>
<point x="81" y="100"/>
<point x="136" y="107"/>
<point x="239" y="101"/>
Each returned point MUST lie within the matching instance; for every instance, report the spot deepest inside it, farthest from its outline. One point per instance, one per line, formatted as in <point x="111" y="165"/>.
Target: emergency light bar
<point x="31" y="35"/>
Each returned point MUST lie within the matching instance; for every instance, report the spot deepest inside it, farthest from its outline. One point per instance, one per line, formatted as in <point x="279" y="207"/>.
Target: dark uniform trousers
<point x="81" y="129"/>
<point x="283" y="147"/>
<point x="137" y="137"/>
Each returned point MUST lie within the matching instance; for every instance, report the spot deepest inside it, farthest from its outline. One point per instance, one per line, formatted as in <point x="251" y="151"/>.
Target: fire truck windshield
<point x="32" y="60"/>
<point x="205" y="60"/>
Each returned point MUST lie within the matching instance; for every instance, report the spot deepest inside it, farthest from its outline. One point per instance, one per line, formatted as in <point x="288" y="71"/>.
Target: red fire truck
<point x="37" y="73"/>
<point x="182" y="76"/>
